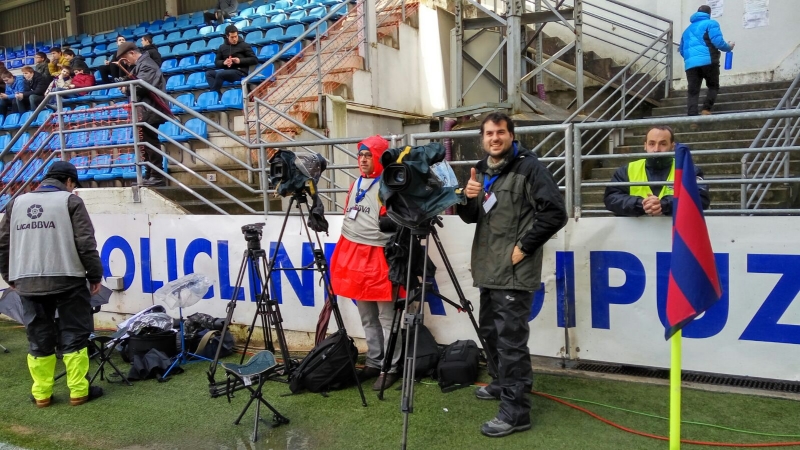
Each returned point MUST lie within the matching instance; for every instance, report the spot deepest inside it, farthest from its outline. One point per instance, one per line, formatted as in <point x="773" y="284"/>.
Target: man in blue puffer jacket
<point x="700" y="47"/>
<point x="8" y="102"/>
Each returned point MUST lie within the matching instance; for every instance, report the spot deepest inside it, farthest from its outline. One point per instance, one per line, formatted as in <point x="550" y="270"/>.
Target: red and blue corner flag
<point x="693" y="279"/>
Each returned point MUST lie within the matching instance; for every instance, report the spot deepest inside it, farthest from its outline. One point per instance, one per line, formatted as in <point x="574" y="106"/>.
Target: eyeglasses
<point x="367" y="155"/>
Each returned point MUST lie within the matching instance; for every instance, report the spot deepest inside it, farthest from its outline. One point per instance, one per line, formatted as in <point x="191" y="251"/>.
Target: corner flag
<point x="693" y="279"/>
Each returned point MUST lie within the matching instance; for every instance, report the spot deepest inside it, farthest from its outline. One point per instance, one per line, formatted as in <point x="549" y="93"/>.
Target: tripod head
<point x="252" y="234"/>
<point x="429" y="227"/>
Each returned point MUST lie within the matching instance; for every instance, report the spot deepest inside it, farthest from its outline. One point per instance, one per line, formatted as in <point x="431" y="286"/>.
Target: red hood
<point x="376" y="145"/>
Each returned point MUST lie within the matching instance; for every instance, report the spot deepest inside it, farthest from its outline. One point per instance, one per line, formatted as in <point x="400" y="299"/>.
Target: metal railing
<point x="758" y="165"/>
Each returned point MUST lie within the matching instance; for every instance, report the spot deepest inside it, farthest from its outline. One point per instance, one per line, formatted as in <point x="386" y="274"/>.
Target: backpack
<point x="459" y="365"/>
<point x="328" y="367"/>
<point x="209" y="341"/>
<point x="427" y="357"/>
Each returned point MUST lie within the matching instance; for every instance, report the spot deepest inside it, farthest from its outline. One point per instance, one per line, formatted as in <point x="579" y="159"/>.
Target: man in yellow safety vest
<point x="634" y="201"/>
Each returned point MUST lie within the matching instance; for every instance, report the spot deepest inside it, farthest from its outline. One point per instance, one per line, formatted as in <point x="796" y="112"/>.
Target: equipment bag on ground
<point x="328" y="367"/>
<point x="209" y="340"/>
<point x="459" y="365"/>
<point x="427" y="357"/>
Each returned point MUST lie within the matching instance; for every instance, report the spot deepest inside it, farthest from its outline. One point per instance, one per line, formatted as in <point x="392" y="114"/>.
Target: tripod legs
<point x="256" y="395"/>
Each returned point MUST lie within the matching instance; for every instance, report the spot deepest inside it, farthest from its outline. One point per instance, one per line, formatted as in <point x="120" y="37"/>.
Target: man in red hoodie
<point x="358" y="265"/>
<point x="81" y="77"/>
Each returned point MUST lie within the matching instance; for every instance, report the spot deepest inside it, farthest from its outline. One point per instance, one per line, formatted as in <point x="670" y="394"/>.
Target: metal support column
<point x="578" y="17"/>
<point x="539" y="55"/>
<point x="458" y="55"/>
<point x="514" y="73"/>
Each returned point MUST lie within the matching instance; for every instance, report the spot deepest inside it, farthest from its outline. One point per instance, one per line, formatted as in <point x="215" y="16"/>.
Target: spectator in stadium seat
<point x="110" y="71"/>
<point x="72" y="58"/>
<point x="57" y="61"/>
<point x="82" y="77"/>
<point x="61" y="82"/>
<point x="35" y="87"/>
<point x="224" y="10"/>
<point x="147" y="46"/>
<point x="14" y="85"/>
<point x="145" y="69"/>
<point x="634" y="201"/>
<point x="234" y="57"/>
<point x="40" y="64"/>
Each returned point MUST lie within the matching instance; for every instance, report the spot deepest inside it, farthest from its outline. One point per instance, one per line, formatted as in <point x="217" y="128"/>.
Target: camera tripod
<point x="267" y="308"/>
<point x="411" y="320"/>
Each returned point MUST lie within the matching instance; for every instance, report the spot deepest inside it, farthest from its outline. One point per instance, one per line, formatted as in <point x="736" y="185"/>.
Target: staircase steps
<point x="194" y="206"/>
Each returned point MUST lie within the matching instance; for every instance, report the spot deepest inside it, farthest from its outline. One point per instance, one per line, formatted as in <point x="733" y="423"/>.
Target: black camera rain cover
<point x="425" y="197"/>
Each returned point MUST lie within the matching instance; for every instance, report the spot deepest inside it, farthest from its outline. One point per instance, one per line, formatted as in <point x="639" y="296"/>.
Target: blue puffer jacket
<point x="17" y="86"/>
<point x="702" y="41"/>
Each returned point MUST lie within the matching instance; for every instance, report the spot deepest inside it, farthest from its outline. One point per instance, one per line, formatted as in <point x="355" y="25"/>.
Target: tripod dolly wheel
<point x="279" y="420"/>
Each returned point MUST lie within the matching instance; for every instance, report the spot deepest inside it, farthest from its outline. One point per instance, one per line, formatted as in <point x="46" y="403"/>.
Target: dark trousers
<point x="7" y="106"/>
<point x="75" y="322"/>
<point x="503" y="323"/>
<point x="150" y="155"/>
<point x="695" y="77"/>
<point x="215" y="78"/>
<point x="108" y="72"/>
<point x="216" y="16"/>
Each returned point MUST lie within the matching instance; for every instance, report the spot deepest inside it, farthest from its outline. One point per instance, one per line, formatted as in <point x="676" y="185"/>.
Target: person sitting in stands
<point x="57" y="61"/>
<point x="234" y="57"/>
<point x="40" y="64"/>
<point x="110" y="71"/>
<point x="81" y="77"/>
<point x="35" y="87"/>
<point x="147" y="46"/>
<point x="224" y="10"/>
<point x="13" y="85"/>
<point x="61" y="82"/>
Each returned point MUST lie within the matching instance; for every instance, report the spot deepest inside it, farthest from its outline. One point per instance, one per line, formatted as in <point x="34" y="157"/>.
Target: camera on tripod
<point x="295" y="172"/>
<point x="417" y="184"/>
<point x="252" y="234"/>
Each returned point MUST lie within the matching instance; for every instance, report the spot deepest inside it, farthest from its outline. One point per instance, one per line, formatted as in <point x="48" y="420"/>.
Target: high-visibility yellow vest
<point x="638" y="174"/>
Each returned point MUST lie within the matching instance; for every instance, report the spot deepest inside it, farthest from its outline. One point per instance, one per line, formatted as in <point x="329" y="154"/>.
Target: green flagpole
<point x="675" y="394"/>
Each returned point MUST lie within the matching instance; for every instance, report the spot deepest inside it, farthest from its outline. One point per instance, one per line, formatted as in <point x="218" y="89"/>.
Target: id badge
<point x="489" y="203"/>
<point x="352" y="214"/>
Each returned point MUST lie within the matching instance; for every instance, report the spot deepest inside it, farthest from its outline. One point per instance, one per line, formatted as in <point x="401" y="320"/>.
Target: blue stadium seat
<point x="197" y="21"/>
<point x="155" y="30"/>
<point x="275" y="21"/>
<point x="254" y="37"/>
<point x="218" y="31"/>
<point x="189" y="35"/>
<point x="173" y="38"/>
<point x="121" y="136"/>
<point x="231" y="99"/>
<point x="205" y="61"/>
<point x="165" y="51"/>
<point x="295" y="18"/>
<point x="197" y="126"/>
<point x="169" y="27"/>
<point x="257" y="24"/>
<point x="242" y="24"/>
<point x="321" y="29"/>
<point x="307" y="4"/>
<point x="264" y="74"/>
<point x="266" y="10"/>
<point x="11" y="122"/>
<point x="39" y="141"/>
<point x="273" y="36"/>
<point x="12" y="173"/>
<point x="247" y="13"/>
<point x="185" y="63"/>
<point x="206" y="100"/>
<point x="97" y="77"/>
<point x="158" y="40"/>
<point x="87" y="40"/>
<point x="198" y="47"/>
<point x="215" y="43"/>
<point x="186" y="99"/>
<point x="114" y="93"/>
<point x="4" y="140"/>
<point x="156" y="23"/>
<point x="77" y="115"/>
<point x="16" y="64"/>
<point x="32" y="170"/>
<point x="314" y="15"/>
<point x="174" y="82"/>
<point x="41" y="175"/>
<point x="138" y="32"/>
<point x="98" y="39"/>
<point x="171" y="130"/>
<point x="181" y="50"/>
<point x="81" y="163"/>
<point x="99" y="160"/>
<point x="128" y="172"/>
<point x="4" y="199"/>
<point x="183" y="24"/>
<point x="42" y="117"/>
<point x="205" y="31"/>
<point x="24" y="118"/>
<point x="283" y="5"/>
<point x="128" y="34"/>
<point x="21" y="143"/>
<point x="292" y="51"/>
<point x="99" y="95"/>
<point x="78" y="139"/>
<point x="111" y="49"/>
<point x="196" y="80"/>
<point x="29" y="61"/>
<point x="117" y="173"/>
<point x="169" y="66"/>
<point x="293" y="32"/>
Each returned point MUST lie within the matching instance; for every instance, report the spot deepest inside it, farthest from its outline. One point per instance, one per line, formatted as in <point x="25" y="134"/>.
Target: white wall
<point x="120" y="201"/>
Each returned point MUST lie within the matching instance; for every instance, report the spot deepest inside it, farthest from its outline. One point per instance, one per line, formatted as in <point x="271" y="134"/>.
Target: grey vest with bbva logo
<point x="42" y="241"/>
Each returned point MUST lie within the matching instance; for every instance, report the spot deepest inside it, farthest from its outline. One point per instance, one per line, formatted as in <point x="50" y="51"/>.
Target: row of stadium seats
<point x="88" y="170"/>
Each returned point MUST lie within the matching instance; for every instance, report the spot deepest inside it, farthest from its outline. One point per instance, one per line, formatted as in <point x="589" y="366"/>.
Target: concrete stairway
<point x="722" y="135"/>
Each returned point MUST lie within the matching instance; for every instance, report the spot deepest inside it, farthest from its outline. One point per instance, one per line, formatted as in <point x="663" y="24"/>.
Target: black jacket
<point x="241" y="50"/>
<point x="85" y="243"/>
<point x="147" y="70"/>
<point x="528" y="212"/>
<point x="37" y="85"/>
<point x="153" y="51"/>
<point x="619" y="201"/>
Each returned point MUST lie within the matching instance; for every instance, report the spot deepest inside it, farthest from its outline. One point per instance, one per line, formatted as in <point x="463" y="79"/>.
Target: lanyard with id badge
<point x="353" y="213"/>
<point x="490" y="199"/>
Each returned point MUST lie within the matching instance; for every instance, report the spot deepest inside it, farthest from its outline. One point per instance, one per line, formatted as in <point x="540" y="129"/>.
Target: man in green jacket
<point x="517" y="207"/>
<point x="48" y="254"/>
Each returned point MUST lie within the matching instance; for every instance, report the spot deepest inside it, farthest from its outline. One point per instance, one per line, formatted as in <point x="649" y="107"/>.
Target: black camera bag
<point x="209" y="340"/>
<point x="328" y="367"/>
<point x="427" y="357"/>
<point x="459" y="365"/>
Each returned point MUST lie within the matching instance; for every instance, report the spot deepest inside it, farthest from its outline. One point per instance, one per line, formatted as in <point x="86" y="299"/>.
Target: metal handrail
<point x="784" y="129"/>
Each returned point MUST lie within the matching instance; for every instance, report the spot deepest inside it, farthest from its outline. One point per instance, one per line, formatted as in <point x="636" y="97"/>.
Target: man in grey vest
<point x="47" y="254"/>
